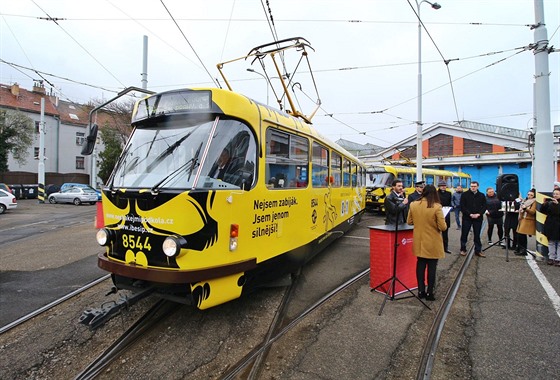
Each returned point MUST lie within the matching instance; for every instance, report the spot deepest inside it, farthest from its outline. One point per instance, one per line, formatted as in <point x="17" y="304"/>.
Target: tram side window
<point x="346" y="174"/>
<point x="320" y="166"/>
<point x="406" y="178"/>
<point x="287" y="160"/>
<point x="336" y="170"/>
<point x="430" y="180"/>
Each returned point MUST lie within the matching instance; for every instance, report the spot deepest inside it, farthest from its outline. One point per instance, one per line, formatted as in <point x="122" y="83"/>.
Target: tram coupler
<point x="96" y="317"/>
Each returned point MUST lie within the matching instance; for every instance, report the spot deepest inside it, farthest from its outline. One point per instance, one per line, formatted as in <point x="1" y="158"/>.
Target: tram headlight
<point x="172" y="245"/>
<point x="104" y="237"/>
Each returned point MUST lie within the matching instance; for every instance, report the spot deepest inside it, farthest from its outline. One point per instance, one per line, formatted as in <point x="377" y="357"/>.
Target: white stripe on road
<point x="552" y="295"/>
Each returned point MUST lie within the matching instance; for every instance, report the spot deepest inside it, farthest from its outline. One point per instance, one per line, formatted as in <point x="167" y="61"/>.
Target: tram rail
<point x="156" y="314"/>
<point x="45" y="308"/>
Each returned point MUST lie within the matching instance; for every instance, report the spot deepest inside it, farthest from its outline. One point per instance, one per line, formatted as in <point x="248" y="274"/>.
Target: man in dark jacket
<point x="417" y="194"/>
<point x="494" y="215"/>
<point x="396" y="205"/>
<point x="445" y="200"/>
<point x="473" y="207"/>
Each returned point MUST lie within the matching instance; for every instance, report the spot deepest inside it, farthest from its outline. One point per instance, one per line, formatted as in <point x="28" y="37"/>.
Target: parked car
<point x="7" y="201"/>
<point x="68" y="185"/>
<point x="3" y="186"/>
<point x="74" y="195"/>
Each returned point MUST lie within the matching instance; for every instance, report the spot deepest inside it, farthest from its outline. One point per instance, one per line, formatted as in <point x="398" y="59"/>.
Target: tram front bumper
<point x="178" y="276"/>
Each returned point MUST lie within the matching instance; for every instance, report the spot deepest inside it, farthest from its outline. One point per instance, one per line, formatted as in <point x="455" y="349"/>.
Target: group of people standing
<point x="424" y="209"/>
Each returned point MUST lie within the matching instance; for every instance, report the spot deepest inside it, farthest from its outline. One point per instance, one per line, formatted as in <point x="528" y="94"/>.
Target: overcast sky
<point x="365" y="58"/>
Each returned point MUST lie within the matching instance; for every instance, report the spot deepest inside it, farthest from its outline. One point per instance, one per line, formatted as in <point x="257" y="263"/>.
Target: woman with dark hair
<point x="427" y="217"/>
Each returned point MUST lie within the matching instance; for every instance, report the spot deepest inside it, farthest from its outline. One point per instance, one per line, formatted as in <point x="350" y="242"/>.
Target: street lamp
<point x="419" y="122"/>
<point x="266" y="82"/>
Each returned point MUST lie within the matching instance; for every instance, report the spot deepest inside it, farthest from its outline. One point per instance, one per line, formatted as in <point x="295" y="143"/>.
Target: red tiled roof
<point x="26" y="100"/>
<point x="71" y="113"/>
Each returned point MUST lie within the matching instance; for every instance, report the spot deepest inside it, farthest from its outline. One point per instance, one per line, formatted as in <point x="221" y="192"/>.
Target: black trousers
<point x="499" y="223"/>
<point x="421" y="266"/>
<point x="521" y="242"/>
<point x="476" y="225"/>
<point x="444" y="234"/>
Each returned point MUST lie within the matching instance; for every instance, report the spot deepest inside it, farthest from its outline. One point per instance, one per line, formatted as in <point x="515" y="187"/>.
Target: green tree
<point x="114" y="133"/>
<point x="108" y="157"/>
<point x="16" y="136"/>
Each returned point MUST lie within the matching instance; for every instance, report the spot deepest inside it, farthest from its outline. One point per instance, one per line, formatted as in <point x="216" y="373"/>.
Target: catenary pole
<point x="543" y="172"/>
<point x="543" y="169"/>
<point x="41" y="167"/>
<point x="145" y="64"/>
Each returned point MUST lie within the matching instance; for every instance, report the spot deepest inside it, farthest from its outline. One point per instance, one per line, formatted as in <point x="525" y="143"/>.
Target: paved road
<point x="46" y="251"/>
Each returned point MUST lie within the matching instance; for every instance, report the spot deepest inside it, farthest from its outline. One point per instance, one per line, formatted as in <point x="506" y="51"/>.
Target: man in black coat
<point x="473" y="207"/>
<point x="417" y="194"/>
<point x="396" y="205"/>
<point x="445" y="199"/>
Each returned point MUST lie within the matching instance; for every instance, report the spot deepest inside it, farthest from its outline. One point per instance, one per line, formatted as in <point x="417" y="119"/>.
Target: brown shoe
<point x="463" y="253"/>
<point x="550" y="262"/>
<point x="480" y="254"/>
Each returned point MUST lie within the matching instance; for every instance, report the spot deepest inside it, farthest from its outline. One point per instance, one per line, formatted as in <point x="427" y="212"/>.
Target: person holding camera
<point x="396" y="204"/>
<point x="527" y="222"/>
<point x="551" y="208"/>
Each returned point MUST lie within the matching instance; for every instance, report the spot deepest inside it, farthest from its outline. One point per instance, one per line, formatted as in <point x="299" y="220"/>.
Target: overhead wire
<point x="442" y="57"/>
<point x="352" y="21"/>
<point x="188" y="42"/>
<point x="227" y="31"/>
<point x="272" y="27"/>
<point x="151" y="32"/>
<point x="55" y="20"/>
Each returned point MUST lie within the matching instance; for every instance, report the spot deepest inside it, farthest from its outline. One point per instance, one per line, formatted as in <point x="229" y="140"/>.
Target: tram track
<point x="427" y="358"/>
<point x="52" y="304"/>
<point x="257" y="353"/>
<point x="156" y="314"/>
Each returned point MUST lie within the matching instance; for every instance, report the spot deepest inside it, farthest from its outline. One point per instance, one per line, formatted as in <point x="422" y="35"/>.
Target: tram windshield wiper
<point x="189" y="165"/>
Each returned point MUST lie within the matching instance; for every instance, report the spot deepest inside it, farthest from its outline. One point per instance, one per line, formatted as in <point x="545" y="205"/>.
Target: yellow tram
<point x="380" y="177"/>
<point x="216" y="194"/>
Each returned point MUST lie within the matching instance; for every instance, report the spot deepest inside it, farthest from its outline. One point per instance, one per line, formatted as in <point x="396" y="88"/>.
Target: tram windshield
<point x="182" y="153"/>
<point x="379" y="179"/>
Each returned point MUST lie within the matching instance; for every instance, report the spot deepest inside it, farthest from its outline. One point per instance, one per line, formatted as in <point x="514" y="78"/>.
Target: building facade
<point x="65" y="128"/>
<point x="482" y="150"/>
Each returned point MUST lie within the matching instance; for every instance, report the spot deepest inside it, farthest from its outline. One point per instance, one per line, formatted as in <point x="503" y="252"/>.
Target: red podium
<point x="382" y="259"/>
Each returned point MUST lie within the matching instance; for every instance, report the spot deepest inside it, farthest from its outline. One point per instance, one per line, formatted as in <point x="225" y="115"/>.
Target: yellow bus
<point x="380" y="177"/>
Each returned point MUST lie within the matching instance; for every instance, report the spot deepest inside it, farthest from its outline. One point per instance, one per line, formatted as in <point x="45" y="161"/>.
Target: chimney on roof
<point x="38" y="87"/>
<point x="15" y="89"/>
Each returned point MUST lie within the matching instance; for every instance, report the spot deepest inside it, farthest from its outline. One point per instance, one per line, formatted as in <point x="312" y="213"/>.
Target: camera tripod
<point x="506" y="240"/>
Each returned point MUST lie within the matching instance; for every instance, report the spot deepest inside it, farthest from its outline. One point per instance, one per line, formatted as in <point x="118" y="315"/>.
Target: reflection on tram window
<point x="320" y="162"/>
<point x="287" y="160"/>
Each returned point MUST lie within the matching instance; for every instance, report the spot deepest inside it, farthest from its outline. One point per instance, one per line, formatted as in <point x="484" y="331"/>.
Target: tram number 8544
<point x="135" y="242"/>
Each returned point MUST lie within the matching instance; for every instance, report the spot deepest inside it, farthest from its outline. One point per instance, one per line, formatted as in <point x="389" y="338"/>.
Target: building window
<point x="36" y="152"/>
<point x="80" y="138"/>
<point x="80" y="162"/>
<point x="37" y="126"/>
